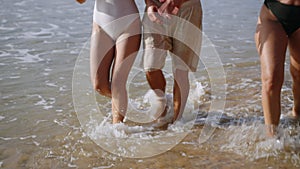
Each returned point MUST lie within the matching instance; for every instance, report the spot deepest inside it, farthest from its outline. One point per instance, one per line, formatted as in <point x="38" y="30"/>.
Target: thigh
<point x="101" y="53"/>
<point x="127" y="47"/>
<point x="271" y="43"/>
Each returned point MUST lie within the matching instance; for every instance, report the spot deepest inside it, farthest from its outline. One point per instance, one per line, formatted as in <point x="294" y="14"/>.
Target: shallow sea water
<point x="41" y="125"/>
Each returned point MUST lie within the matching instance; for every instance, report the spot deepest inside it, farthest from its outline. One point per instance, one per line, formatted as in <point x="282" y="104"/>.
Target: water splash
<point x="252" y="142"/>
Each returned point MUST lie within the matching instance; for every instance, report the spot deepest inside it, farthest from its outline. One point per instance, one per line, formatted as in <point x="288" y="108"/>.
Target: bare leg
<point x="157" y="82"/>
<point x="101" y="59"/>
<point x="126" y="50"/>
<point x="180" y="92"/>
<point x="294" y="42"/>
<point x="271" y="42"/>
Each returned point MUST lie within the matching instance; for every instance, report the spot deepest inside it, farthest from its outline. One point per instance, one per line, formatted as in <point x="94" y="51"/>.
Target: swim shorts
<point x="176" y="36"/>
<point x="287" y="15"/>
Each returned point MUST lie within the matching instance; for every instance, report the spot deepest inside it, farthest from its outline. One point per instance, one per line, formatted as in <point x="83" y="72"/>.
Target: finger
<point x="157" y="20"/>
<point x="175" y="11"/>
<point x="153" y="17"/>
<point x="163" y="8"/>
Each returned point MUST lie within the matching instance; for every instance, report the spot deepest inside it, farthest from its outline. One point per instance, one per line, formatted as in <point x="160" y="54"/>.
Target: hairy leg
<point x="180" y="92"/>
<point x="101" y="59"/>
<point x="271" y="43"/>
<point x="126" y="50"/>
<point x="294" y="42"/>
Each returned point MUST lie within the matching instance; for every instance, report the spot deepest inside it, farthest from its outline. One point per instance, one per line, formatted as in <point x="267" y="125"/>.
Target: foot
<point x="158" y="102"/>
<point x="166" y="117"/>
<point x="117" y="118"/>
<point x="163" y="122"/>
<point x="271" y="131"/>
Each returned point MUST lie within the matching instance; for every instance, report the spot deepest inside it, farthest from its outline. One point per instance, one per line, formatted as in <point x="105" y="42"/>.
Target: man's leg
<point x="157" y="83"/>
<point x="180" y="92"/>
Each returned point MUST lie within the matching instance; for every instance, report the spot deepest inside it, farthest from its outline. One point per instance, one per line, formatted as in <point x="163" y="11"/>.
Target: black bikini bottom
<point x="287" y="15"/>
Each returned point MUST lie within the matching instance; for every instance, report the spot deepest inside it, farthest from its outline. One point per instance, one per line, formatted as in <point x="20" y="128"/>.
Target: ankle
<point x="271" y="130"/>
<point x="117" y="118"/>
<point x="296" y="113"/>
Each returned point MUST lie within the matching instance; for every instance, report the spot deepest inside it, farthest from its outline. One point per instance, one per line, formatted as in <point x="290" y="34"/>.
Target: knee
<point x="271" y="83"/>
<point x="102" y="89"/>
<point x="295" y="75"/>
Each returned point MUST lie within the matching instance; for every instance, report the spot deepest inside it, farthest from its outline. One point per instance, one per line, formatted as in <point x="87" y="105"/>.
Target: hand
<point x="152" y="11"/>
<point x="176" y="3"/>
<point x="81" y="1"/>
<point x="169" y="7"/>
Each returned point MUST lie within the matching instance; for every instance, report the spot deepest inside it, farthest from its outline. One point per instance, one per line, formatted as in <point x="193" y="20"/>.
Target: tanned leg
<point x="271" y="43"/>
<point x="180" y="92"/>
<point x="157" y="83"/>
<point x="294" y="46"/>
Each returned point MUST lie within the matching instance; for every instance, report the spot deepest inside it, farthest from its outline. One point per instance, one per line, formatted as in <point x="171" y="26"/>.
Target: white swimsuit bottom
<point x="115" y="16"/>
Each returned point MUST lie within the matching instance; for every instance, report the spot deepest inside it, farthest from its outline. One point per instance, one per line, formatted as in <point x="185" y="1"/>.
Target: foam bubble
<point x="2" y="117"/>
<point x="252" y="142"/>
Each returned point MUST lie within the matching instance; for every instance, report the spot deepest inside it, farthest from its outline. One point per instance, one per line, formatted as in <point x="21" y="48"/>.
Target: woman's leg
<point x="126" y="50"/>
<point x="294" y="42"/>
<point x="271" y="43"/>
<point x="101" y="59"/>
<point x="180" y="91"/>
